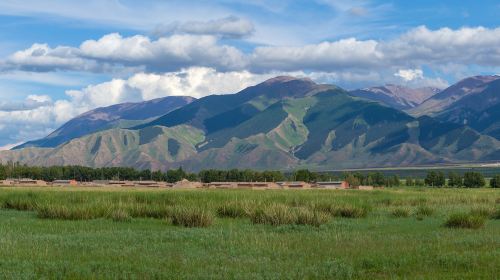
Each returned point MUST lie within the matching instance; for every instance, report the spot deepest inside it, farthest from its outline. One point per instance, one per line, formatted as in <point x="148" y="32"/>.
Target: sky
<point x="61" y="58"/>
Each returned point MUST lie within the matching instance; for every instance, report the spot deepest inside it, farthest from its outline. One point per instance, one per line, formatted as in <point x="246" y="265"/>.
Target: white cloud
<point x="112" y="53"/>
<point x="195" y="82"/>
<point x="478" y="45"/>
<point x="38" y="115"/>
<point x="228" y="27"/>
<point x="326" y="56"/>
<point x="31" y="102"/>
<point x="410" y="74"/>
<point x="41" y="58"/>
<point x="414" y="49"/>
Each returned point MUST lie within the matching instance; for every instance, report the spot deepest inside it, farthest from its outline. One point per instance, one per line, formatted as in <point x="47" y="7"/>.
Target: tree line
<point x="377" y="179"/>
<point x="468" y="180"/>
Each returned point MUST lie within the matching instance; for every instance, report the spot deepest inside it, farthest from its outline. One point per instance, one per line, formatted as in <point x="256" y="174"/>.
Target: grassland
<point x="237" y="234"/>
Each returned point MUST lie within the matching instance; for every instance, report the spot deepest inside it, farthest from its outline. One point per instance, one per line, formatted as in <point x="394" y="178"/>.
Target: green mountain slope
<point x="115" y="116"/>
<point x="284" y="123"/>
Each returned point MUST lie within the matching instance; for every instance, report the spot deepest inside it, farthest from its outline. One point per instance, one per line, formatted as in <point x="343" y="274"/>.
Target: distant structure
<point x="186" y="184"/>
<point x="294" y="185"/>
<point x="64" y="183"/>
<point x="332" y="185"/>
<point x="243" y="185"/>
<point x="23" y="182"/>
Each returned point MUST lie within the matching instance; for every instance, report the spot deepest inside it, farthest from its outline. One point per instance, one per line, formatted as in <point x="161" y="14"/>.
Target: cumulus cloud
<point x="419" y="46"/>
<point x="466" y="45"/>
<point x="41" y="58"/>
<point x="113" y="52"/>
<point x="195" y="82"/>
<point x="228" y="27"/>
<point x="38" y="115"/>
<point x="413" y="49"/>
<point x="166" y="54"/>
<point x="31" y="102"/>
<point x="410" y="74"/>
<point x="343" y="54"/>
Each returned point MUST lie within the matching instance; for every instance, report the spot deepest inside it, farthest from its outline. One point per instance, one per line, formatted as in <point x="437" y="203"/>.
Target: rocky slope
<point x="398" y="97"/>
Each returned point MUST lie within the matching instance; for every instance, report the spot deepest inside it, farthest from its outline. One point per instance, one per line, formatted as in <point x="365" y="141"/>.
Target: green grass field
<point x="423" y="233"/>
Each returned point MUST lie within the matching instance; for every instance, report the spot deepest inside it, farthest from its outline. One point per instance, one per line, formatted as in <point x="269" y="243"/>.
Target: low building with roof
<point x="23" y="182"/>
<point x="221" y="185"/>
<point x="64" y="183"/>
<point x="294" y="185"/>
<point x="337" y="185"/>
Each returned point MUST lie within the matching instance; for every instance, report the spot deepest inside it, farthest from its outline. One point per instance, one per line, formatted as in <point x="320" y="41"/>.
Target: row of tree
<point x="378" y="179"/>
<point x="468" y="180"/>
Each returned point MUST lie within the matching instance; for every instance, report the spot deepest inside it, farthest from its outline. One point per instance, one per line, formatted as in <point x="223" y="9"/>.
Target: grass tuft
<point x="464" y="220"/>
<point x="191" y="217"/>
<point x="400" y="212"/>
<point x="62" y="212"/>
<point x="274" y="214"/>
<point x="483" y="212"/>
<point x="424" y="211"/>
<point x="20" y="203"/>
<point x="120" y="215"/>
<point x="344" y="211"/>
<point x="233" y="210"/>
<point x="496" y="214"/>
<point x="312" y="218"/>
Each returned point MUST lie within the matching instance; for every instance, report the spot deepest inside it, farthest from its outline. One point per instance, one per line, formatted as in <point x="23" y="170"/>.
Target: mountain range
<point x="399" y="97"/>
<point x="284" y="123"/>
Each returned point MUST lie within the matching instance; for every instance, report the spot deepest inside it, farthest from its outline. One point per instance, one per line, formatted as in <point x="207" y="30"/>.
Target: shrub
<point x="464" y="220"/>
<point x="274" y="214"/>
<point x="191" y="217"/>
<point x="313" y="218"/>
<point x="401" y="212"/>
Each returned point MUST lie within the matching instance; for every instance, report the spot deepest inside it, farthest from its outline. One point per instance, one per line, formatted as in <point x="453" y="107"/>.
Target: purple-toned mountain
<point x="398" y="97"/>
<point x="119" y="115"/>
<point x="446" y="98"/>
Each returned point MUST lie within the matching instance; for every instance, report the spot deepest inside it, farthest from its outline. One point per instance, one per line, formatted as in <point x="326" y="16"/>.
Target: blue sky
<point x="61" y="58"/>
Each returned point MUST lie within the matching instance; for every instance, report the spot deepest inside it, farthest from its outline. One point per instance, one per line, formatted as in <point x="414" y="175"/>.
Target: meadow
<point x="102" y="233"/>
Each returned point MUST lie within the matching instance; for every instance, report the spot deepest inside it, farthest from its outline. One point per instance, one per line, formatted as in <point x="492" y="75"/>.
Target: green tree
<point x="495" y="181"/>
<point x="410" y="182"/>
<point x="435" y="179"/>
<point x="473" y="180"/>
<point x="304" y="175"/>
<point x="392" y="181"/>
<point x="419" y="183"/>
<point x="352" y="180"/>
<point x="454" y="179"/>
